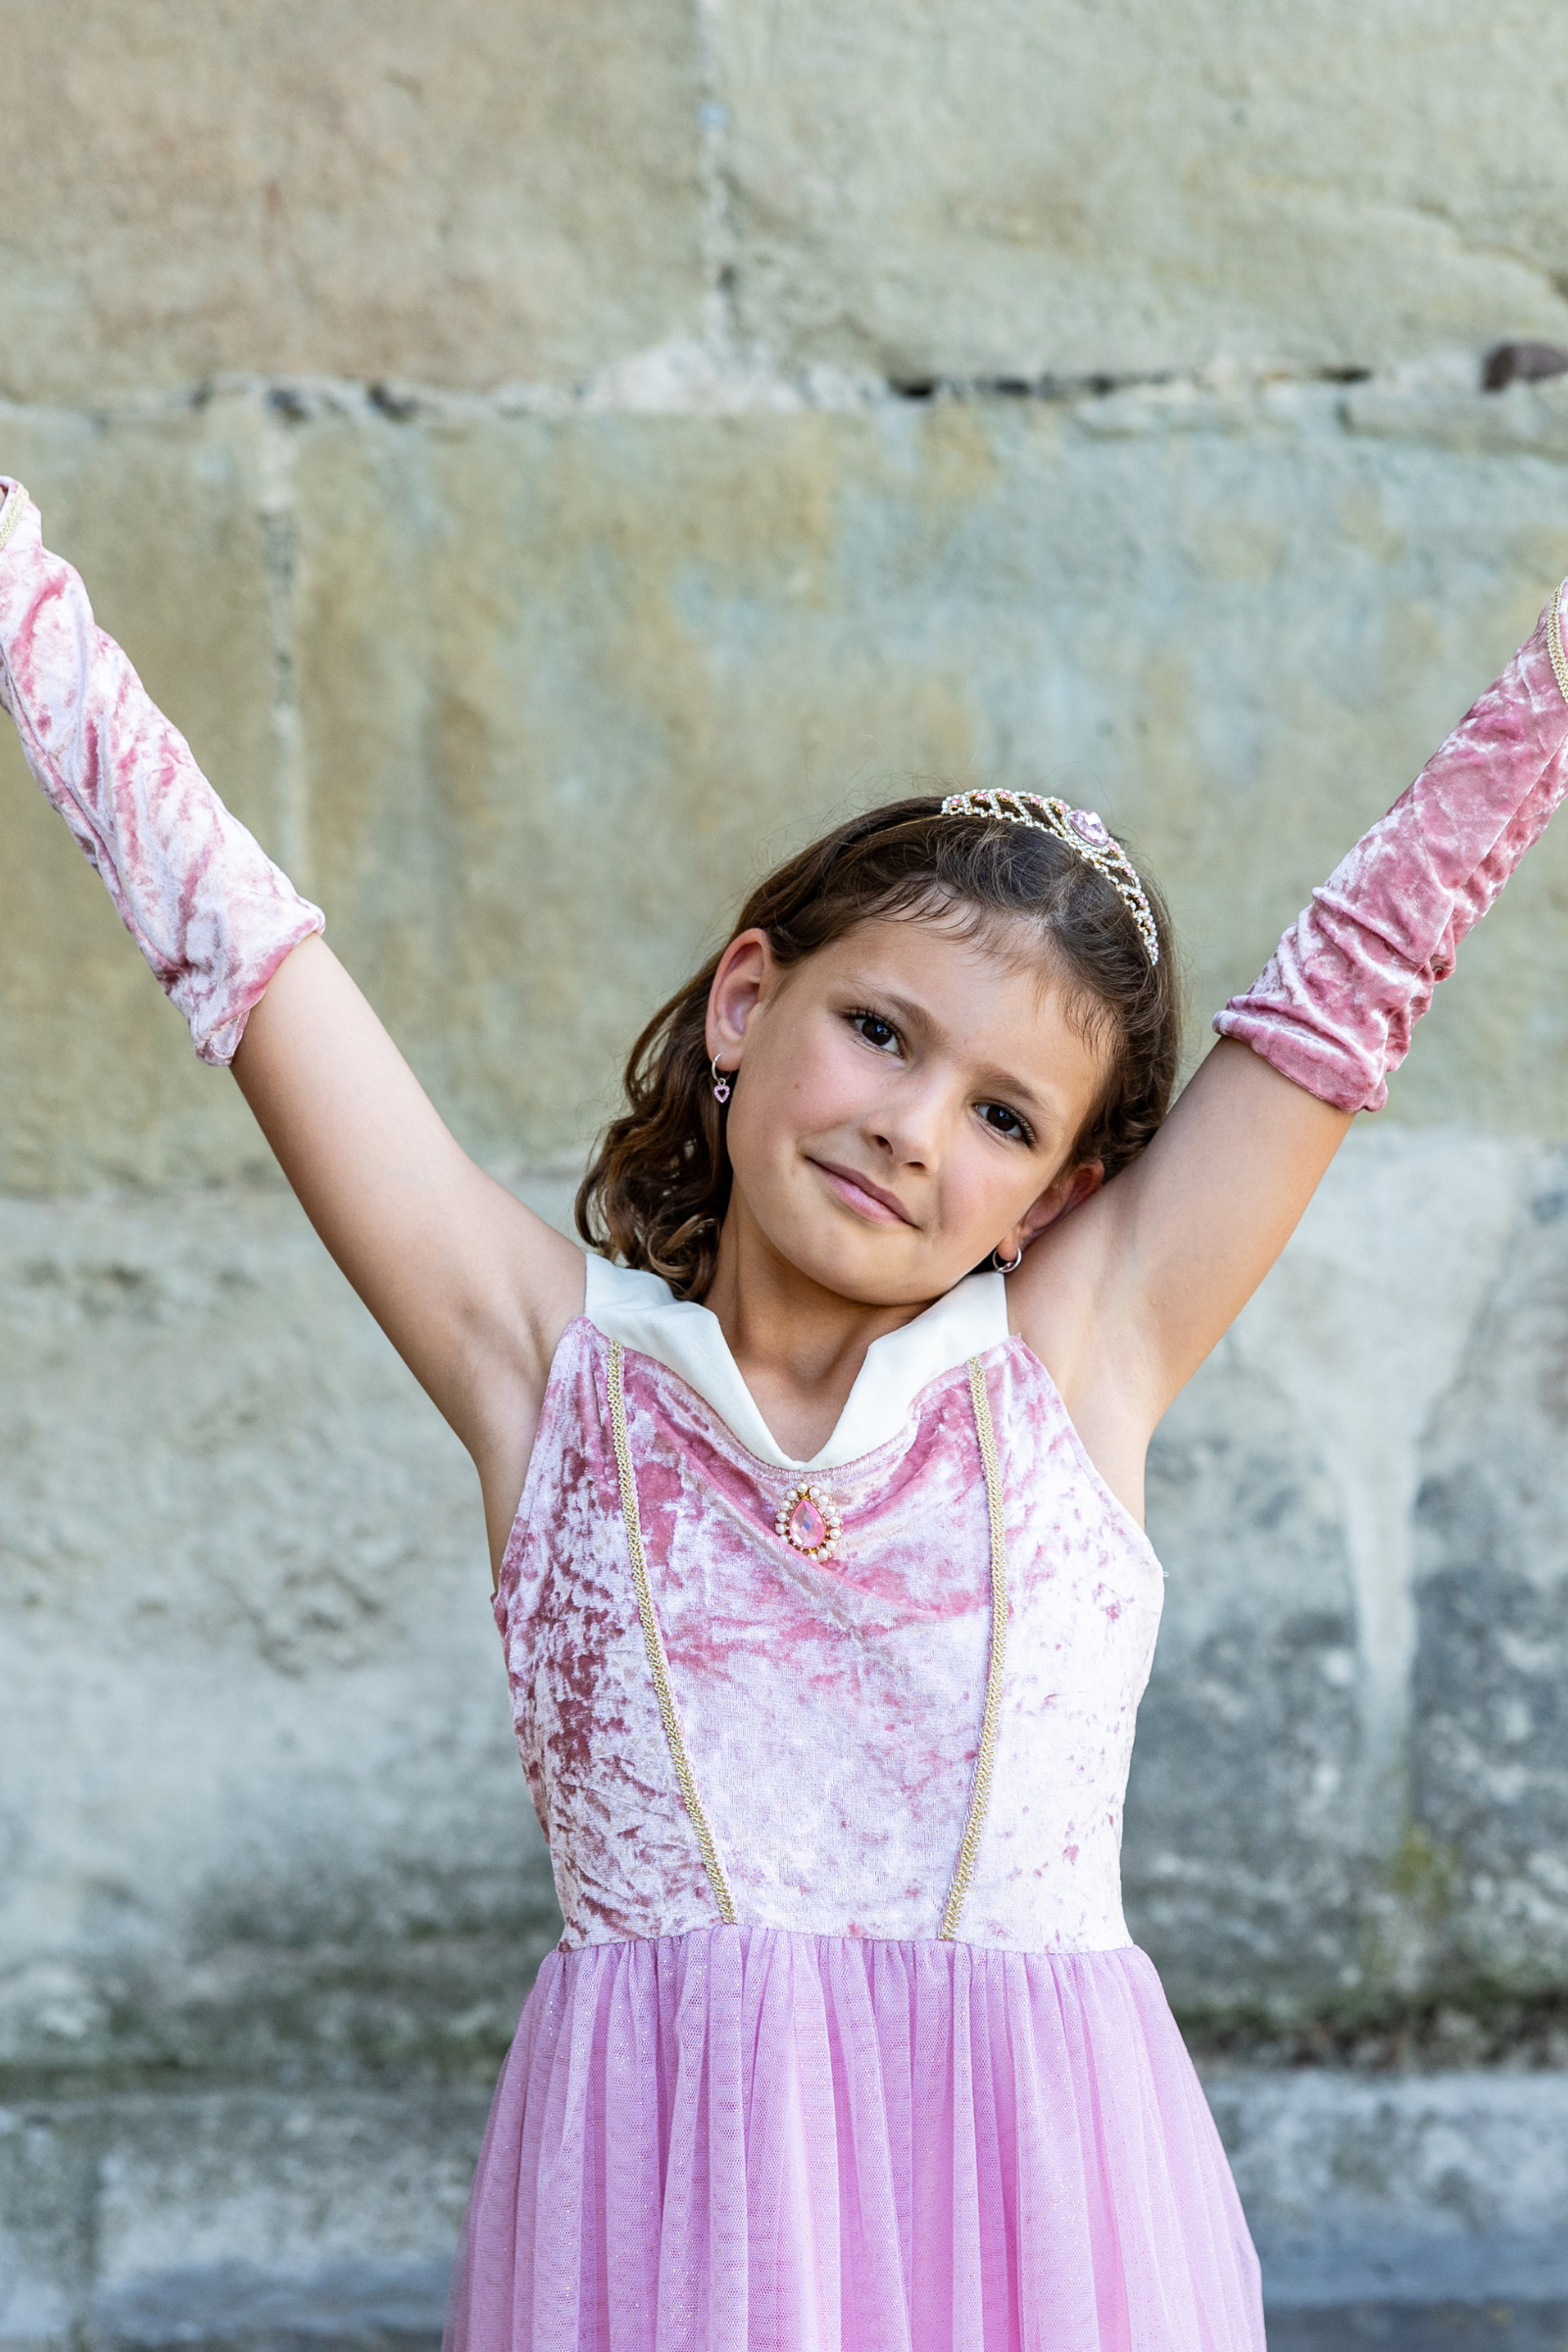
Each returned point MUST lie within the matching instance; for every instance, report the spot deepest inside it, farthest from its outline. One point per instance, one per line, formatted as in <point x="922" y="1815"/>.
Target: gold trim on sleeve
<point x="15" y="506"/>
<point x="1555" y="641"/>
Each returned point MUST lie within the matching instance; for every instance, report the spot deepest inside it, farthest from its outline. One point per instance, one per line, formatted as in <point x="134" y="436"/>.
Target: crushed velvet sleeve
<point x="1334" y="1007"/>
<point x="207" y="909"/>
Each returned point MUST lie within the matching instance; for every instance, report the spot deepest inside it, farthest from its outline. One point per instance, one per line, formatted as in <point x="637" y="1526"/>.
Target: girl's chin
<point x="871" y="1277"/>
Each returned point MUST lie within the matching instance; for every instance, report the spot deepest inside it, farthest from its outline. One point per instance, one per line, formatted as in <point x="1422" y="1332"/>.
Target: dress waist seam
<point x="904" y="1944"/>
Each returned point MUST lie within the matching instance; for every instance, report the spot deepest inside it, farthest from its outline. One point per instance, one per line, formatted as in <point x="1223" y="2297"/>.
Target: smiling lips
<point x="867" y="1199"/>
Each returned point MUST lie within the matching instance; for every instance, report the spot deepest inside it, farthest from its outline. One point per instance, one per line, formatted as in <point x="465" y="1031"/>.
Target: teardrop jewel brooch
<point x="808" y="1518"/>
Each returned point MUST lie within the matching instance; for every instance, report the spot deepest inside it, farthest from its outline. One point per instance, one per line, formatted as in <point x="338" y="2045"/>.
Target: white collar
<point x="642" y="1312"/>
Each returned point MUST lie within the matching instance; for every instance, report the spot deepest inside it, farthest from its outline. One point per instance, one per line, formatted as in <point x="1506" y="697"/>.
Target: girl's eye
<point x="1005" y="1122"/>
<point x="874" y="1029"/>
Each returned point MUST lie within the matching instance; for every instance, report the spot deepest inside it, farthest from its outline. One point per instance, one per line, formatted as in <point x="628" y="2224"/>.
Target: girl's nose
<point x="909" y="1129"/>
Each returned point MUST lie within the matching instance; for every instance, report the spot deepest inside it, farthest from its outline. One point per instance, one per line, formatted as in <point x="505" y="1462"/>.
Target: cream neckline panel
<point x="641" y="1312"/>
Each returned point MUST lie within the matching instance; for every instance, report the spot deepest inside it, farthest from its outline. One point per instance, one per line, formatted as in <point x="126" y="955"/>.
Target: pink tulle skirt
<point x="750" y="2138"/>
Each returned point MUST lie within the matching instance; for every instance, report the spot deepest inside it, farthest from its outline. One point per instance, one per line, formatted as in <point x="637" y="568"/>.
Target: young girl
<point x="814" y="1497"/>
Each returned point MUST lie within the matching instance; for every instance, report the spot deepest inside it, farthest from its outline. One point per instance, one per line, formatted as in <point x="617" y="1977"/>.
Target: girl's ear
<point x="1069" y="1191"/>
<point x="745" y="978"/>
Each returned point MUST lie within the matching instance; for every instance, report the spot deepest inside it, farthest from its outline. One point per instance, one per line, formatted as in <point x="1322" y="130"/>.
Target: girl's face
<point x="904" y="1101"/>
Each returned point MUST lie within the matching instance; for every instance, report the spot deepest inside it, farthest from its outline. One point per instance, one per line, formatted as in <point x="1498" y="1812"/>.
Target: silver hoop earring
<point x="1006" y="1265"/>
<point x="722" y="1085"/>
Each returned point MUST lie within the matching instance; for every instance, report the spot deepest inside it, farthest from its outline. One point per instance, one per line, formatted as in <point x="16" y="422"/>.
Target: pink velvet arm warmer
<point x="207" y="907"/>
<point x="1335" y="1005"/>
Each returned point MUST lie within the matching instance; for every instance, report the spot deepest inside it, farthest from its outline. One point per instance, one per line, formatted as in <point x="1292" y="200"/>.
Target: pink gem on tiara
<point x="1083" y="832"/>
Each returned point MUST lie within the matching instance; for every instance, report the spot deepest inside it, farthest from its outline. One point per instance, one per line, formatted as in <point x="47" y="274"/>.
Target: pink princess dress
<point x="845" y="2045"/>
<point x="844" y="2048"/>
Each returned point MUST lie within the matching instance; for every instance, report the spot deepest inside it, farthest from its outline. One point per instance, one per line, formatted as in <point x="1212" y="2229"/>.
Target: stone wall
<point x="548" y="465"/>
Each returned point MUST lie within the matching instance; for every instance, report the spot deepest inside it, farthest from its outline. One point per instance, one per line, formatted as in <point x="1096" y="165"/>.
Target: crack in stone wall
<point x="714" y="375"/>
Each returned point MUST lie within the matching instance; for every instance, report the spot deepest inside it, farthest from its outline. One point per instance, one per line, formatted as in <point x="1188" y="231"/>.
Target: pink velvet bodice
<point x="831" y="1710"/>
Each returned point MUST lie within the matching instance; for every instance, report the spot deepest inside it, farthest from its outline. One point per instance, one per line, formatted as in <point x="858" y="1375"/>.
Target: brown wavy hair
<point x="655" y="1194"/>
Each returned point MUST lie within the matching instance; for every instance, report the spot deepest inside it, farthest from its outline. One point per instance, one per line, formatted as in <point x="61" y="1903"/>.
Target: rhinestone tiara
<point x="1082" y="831"/>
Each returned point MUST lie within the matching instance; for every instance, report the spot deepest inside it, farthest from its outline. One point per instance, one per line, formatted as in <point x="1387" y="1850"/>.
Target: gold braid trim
<point x="653" y="1641"/>
<point x="659" y="1663"/>
<point x="1555" y="641"/>
<point x="986" y="1761"/>
<point x="15" y="506"/>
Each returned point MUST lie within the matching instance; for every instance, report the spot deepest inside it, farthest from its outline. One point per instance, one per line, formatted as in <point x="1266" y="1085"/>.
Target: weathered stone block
<point x="464" y="195"/>
<point x="48" y="2189"/>
<point x="1245" y="1842"/>
<point x="1489" y="1759"/>
<point x="243" y="2220"/>
<point x="1451" y="2188"/>
<point x="1031" y="189"/>
<point x="237" y="2214"/>
<point x="259" y="1810"/>
<point x="1340" y="1798"/>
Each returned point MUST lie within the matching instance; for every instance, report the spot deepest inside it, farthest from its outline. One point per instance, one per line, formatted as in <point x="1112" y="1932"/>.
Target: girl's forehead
<point x="952" y="947"/>
<point x="953" y="928"/>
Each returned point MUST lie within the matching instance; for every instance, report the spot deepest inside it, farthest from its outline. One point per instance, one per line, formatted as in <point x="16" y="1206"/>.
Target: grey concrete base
<point x="1404" y="2191"/>
<point x="343" y="2307"/>
<point x="244" y="2219"/>
<point x="1422" y="2328"/>
<point x="361" y="2309"/>
<point x="1414" y="2213"/>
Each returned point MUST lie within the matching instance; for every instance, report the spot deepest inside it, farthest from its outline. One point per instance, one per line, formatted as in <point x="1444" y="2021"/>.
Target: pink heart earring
<point x="722" y="1085"/>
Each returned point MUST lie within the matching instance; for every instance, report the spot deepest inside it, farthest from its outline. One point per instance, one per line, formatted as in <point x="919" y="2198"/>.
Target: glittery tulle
<point x="748" y="2137"/>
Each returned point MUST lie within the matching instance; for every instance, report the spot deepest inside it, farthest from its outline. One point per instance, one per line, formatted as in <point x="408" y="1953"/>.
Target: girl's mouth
<point x="867" y="1199"/>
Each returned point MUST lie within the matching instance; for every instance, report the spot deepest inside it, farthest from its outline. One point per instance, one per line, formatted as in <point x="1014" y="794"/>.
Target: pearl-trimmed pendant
<point x="808" y="1519"/>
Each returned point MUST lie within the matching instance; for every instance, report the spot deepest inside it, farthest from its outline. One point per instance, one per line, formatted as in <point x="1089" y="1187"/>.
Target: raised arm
<point x="1132" y="1291"/>
<point x="471" y="1288"/>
